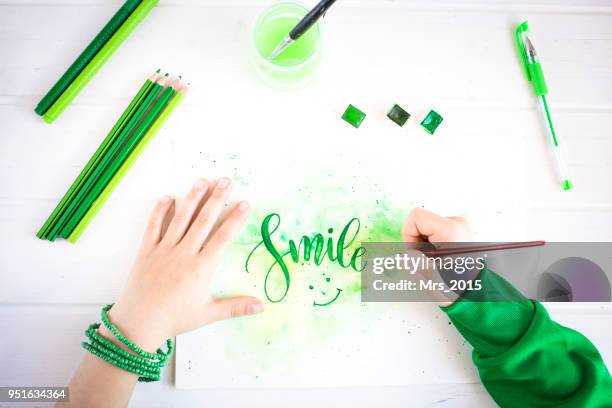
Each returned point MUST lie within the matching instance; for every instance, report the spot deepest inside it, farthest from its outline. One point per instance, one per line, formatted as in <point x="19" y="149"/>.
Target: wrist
<point x="110" y="344"/>
<point x="141" y="329"/>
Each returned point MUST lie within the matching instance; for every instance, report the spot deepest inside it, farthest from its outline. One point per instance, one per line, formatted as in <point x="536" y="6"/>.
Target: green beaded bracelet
<point x="92" y="333"/>
<point x="144" y="376"/>
<point x="111" y="357"/>
<point x="146" y="365"/>
<point x="160" y="355"/>
<point x="112" y="354"/>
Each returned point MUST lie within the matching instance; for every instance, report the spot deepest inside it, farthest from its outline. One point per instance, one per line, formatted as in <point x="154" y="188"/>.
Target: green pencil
<point x="127" y="165"/>
<point x="118" y="161"/>
<point x="99" y="60"/>
<point x="86" y="172"/>
<point x="86" y="56"/>
<point x="106" y="159"/>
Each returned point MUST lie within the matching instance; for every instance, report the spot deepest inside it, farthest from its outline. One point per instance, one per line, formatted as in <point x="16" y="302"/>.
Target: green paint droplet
<point x="311" y="287"/>
<point x="330" y="230"/>
<point x="327" y="279"/>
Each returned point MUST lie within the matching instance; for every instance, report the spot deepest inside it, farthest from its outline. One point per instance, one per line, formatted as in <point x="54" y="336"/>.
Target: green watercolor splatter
<point x="295" y="327"/>
<point x="386" y="225"/>
<point x="239" y="177"/>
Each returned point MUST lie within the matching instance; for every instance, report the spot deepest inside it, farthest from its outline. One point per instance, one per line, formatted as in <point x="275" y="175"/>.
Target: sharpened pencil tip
<point x="176" y="84"/>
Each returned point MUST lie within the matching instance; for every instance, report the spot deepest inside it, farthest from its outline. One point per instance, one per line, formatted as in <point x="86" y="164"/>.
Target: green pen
<point x="535" y="75"/>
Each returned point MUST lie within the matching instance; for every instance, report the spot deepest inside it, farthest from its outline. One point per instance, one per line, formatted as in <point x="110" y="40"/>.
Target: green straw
<point x="118" y="161"/>
<point x="106" y="159"/>
<point x="118" y="177"/>
<point x="86" y="56"/>
<point x="86" y="172"/>
<point x="99" y="60"/>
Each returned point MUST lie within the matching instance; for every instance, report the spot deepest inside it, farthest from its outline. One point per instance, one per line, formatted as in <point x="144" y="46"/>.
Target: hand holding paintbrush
<point x="427" y="229"/>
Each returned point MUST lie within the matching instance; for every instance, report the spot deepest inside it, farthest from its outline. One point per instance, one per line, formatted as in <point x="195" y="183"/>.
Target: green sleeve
<point x="524" y="358"/>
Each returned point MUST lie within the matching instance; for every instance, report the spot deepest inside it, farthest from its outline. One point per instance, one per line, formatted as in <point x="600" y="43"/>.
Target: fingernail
<point x="200" y="184"/>
<point x="243" y="206"/>
<point x="256" y="308"/>
<point x="165" y="199"/>
<point x="224" y="182"/>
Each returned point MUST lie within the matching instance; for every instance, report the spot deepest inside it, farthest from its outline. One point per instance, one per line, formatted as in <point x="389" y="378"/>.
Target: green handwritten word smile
<point x="318" y="248"/>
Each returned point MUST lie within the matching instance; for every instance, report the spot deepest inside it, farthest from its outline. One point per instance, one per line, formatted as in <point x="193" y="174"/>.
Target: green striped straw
<point x="86" y="56"/>
<point x="127" y="165"/>
<point x="99" y="60"/>
<point x="118" y="160"/>
<point x="106" y="159"/>
<point x="93" y="162"/>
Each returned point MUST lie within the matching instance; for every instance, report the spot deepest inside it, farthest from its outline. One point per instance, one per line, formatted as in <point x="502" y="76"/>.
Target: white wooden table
<point x="461" y="56"/>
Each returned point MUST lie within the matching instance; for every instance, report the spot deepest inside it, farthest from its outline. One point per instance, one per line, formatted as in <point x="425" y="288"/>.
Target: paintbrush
<point x="304" y="25"/>
<point x="483" y="248"/>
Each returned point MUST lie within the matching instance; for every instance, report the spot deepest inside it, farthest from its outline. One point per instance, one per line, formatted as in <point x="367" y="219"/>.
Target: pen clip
<point x="522" y="49"/>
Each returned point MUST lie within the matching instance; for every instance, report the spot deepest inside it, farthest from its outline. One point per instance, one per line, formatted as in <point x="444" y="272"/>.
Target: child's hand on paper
<point x="425" y="226"/>
<point x="168" y="290"/>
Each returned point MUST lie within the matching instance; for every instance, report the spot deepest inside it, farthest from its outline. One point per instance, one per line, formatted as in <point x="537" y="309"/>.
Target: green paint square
<point x="353" y="116"/>
<point x="398" y="115"/>
<point x="431" y="122"/>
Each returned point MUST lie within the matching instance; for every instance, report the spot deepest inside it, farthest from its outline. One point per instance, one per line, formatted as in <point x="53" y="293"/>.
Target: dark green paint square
<point x="431" y="122"/>
<point x="353" y="116"/>
<point x="398" y="115"/>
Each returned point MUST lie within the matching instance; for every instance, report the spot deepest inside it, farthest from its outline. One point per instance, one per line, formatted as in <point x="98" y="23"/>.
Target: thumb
<point x="229" y="308"/>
